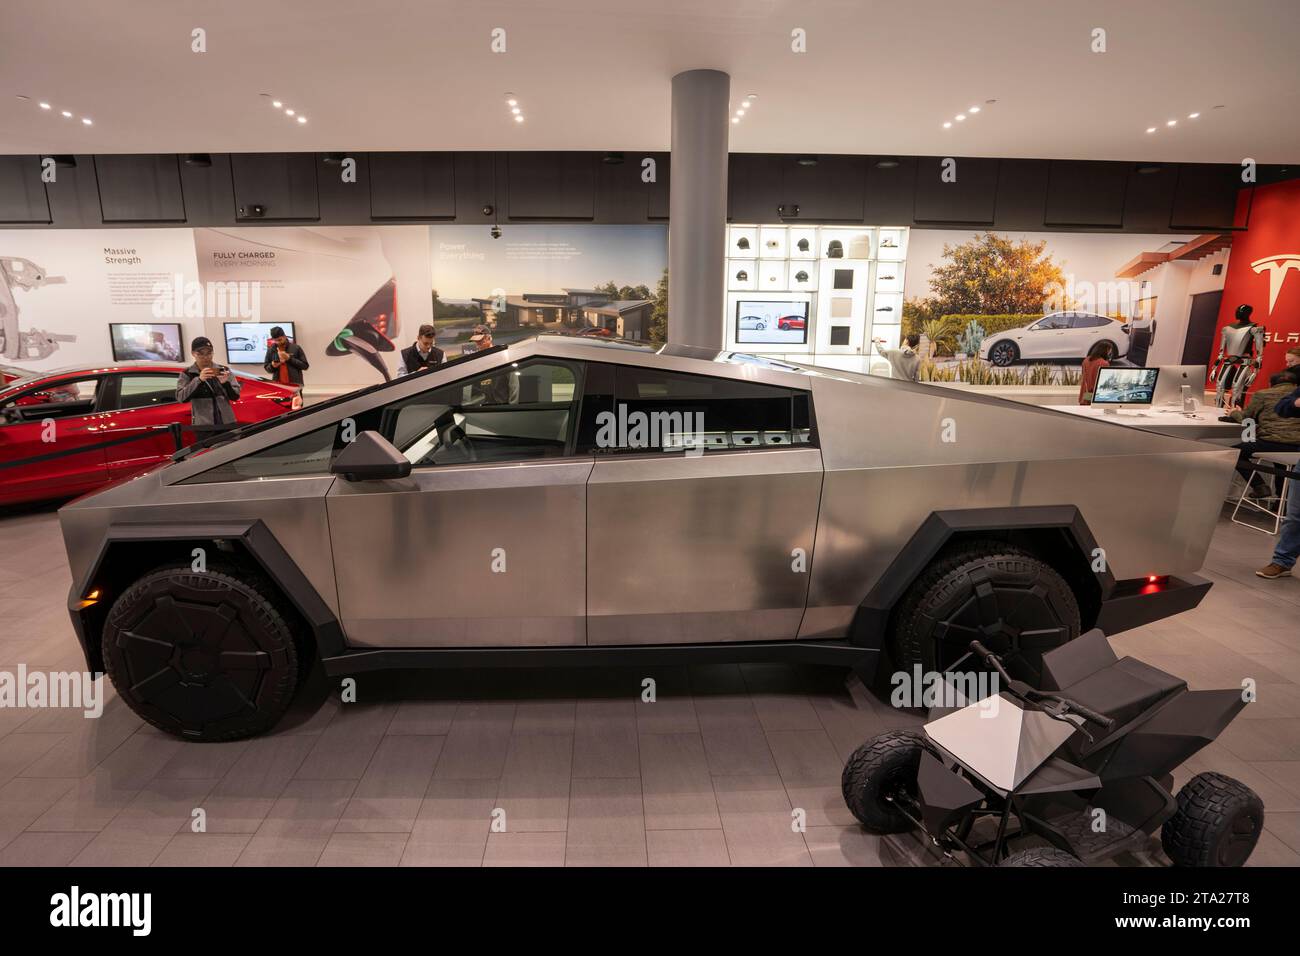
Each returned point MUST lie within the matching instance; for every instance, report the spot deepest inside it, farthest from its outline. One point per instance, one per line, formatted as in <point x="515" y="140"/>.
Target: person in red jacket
<point x="1099" y="356"/>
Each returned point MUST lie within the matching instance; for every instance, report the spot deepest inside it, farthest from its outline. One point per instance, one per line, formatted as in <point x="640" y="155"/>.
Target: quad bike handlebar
<point x="1053" y="704"/>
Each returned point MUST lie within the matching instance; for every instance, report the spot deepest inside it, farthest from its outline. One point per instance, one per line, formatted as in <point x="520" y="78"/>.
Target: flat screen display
<point x="771" y="323"/>
<point x="1125" y="386"/>
<point x="150" y="341"/>
<point x="247" y="342"/>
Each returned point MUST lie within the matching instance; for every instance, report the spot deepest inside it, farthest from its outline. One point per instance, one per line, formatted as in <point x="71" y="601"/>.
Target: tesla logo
<point x="1278" y="267"/>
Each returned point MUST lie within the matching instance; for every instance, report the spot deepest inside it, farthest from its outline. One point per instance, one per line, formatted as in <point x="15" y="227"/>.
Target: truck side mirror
<point x="370" y="457"/>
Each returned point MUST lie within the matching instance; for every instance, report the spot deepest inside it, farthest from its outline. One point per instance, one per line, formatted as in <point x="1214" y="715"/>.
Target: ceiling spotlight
<point x="516" y="110"/>
<point x="45" y="106"/>
<point x="67" y="115"/>
<point x="277" y="104"/>
<point x="512" y="102"/>
<point x="735" y="119"/>
<point x="973" y="109"/>
<point x="1171" y="123"/>
<point x="947" y="125"/>
<point x="740" y="112"/>
<point x="1151" y="129"/>
<point x="519" y="119"/>
<point x="87" y="121"/>
<point x="1193" y="115"/>
<point x="302" y="119"/>
<point x="959" y="117"/>
<point x="288" y="113"/>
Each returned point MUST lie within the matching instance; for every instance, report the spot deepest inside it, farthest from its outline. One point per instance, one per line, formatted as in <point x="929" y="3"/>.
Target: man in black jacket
<point x="423" y="354"/>
<point x="285" y="360"/>
<point x="209" y="388"/>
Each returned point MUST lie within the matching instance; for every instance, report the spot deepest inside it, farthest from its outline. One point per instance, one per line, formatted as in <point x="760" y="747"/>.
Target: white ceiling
<point x="878" y="77"/>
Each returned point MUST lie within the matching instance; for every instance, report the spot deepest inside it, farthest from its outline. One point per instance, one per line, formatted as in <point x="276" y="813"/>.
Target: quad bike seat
<point x="1091" y="673"/>
<point x="1125" y="689"/>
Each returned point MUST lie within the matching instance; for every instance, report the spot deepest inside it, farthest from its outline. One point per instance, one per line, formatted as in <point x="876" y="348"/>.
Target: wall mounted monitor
<point x="1125" y="386"/>
<point x="247" y="342"/>
<point x="771" y="323"/>
<point x="149" y="341"/>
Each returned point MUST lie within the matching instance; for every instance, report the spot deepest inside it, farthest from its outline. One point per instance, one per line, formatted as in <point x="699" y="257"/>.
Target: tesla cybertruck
<point x="570" y="501"/>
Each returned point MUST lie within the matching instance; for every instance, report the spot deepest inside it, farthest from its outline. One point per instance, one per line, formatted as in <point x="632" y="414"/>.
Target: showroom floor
<point x="571" y="765"/>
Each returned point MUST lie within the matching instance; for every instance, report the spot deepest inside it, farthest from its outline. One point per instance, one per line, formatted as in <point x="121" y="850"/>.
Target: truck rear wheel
<point x="1013" y="602"/>
<point x="203" y="655"/>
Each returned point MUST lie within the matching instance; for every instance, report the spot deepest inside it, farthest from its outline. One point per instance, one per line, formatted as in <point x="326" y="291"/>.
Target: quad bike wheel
<point x="202" y="655"/>
<point x="1042" y="856"/>
<point x="885" y="765"/>
<point x="1217" y="823"/>
<point x="1013" y="602"/>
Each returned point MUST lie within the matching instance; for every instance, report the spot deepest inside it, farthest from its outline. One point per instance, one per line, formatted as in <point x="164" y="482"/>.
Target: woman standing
<point x="1099" y="356"/>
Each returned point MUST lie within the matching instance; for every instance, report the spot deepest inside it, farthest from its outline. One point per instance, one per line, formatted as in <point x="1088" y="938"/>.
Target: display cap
<point x="803" y="245"/>
<point x="835" y="250"/>
<point x="742" y="243"/>
<point x="801" y="276"/>
<point x="742" y="276"/>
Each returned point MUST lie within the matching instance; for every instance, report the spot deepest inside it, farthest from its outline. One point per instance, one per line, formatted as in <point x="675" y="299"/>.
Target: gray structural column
<point x="697" y="208"/>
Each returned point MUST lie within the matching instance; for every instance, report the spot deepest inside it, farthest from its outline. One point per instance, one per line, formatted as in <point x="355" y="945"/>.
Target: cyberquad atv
<point x="1085" y="764"/>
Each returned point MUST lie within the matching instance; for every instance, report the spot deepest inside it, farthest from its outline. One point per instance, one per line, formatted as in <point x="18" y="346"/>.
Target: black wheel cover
<point x="1014" y="603"/>
<point x="204" y="655"/>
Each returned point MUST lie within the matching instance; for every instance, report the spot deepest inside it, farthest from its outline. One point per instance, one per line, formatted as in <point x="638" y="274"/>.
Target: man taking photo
<point x="208" y="387"/>
<point x="285" y="360"/>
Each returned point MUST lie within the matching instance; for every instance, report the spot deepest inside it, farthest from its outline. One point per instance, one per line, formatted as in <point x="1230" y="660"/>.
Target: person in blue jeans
<point x="1288" y="539"/>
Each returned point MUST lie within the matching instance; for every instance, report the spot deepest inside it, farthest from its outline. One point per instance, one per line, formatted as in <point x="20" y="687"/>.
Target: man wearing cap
<point x="285" y="360"/>
<point x="479" y="341"/>
<point x="208" y="388"/>
<point x="423" y="354"/>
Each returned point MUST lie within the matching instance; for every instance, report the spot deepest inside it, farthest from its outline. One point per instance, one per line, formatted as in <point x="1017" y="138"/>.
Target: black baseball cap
<point x="202" y="342"/>
<point x="276" y="331"/>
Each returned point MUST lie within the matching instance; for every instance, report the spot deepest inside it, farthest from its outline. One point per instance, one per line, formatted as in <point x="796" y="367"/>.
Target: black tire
<point x="1013" y="602"/>
<point x="883" y="765"/>
<point x="1042" y="856"/>
<point x="1004" y="353"/>
<point x="1217" y="823"/>
<point x="202" y="655"/>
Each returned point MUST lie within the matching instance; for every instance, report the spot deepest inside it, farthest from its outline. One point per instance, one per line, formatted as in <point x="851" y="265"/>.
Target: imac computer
<point x="1119" y="388"/>
<point x="1172" y="379"/>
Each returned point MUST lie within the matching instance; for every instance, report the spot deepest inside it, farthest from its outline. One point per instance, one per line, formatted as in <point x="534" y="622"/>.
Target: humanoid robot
<point x="1241" y="348"/>
<point x="14" y="343"/>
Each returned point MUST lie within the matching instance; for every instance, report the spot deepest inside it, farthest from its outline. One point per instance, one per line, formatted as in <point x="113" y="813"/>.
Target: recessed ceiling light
<point x="1193" y="115"/>
<point x="511" y="101"/>
<point x="45" y="106"/>
<point x="973" y="109"/>
<point x="302" y="119"/>
<point x="740" y="112"/>
<point x="86" y="120"/>
<point x="959" y="117"/>
<point x="947" y="125"/>
<point x="67" y="115"/>
<point x="519" y="119"/>
<point x="277" y="104"/>
<point x="1171" y="122"/>
<point x="735" y="119"/>
<point x="288" y="112"/>
<point x="516" y="110"/>
<point x="1151" y="129"/>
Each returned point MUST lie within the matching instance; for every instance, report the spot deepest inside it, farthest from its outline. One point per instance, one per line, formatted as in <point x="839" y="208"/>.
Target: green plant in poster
<point x="942" y="335"/>
<point x="971" y="337"/>
<point x="659" y="316"/>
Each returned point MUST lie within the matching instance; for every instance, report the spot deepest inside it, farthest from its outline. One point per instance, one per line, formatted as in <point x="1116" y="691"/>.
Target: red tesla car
<point x="50" y="412"/>
<point x="788" y="322"/>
